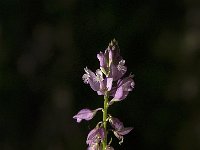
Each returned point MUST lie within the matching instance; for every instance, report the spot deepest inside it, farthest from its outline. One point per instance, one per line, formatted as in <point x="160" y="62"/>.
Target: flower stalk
<point x="105" y="116"/>
<point x="110" y="82"/>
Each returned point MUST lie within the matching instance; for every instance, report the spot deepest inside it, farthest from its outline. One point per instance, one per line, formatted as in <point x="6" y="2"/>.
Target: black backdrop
<point x="45" y="44"/>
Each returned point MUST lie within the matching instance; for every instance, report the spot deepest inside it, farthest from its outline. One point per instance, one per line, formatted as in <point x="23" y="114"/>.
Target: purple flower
<point x="104" y="62"/>
<point x="93" y="79"/>
<point x="116" y="123"/>
<point x="96" y="135"/>
<point x="124" y="86"/>
<point x="124" y="131"/>
<point x="119" y="130"/>
<point x="103" y="59"/>
<point x="120" y="133"/>
<point x="116" y="72"/>
<point x="85" y="114"/>
<point x="106" y="85"/>
<point x="97" y="82"/>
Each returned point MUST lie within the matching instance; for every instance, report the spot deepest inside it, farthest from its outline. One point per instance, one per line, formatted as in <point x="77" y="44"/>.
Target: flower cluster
<point x="110" y="82"/>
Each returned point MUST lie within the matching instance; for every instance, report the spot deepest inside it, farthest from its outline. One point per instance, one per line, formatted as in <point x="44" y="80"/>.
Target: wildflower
<point x="103" y="59"/>
<point x="109" y="81"/>
<point x="116" y="123"/>
<point x="116" y="72"/>
<point x="97" y="82"/>
<point x="119" y="129"/>
<point x="106" y="85"/>
<point x="95" y="136"/>
<point x="124" y="86"/>
<point x="85" y="114"/>
<point x="93" y="79"/>
<point x="120" y="133"/>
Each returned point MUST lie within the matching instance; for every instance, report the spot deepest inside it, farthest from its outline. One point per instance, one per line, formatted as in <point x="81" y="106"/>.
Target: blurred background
<point x="45" y="44"/>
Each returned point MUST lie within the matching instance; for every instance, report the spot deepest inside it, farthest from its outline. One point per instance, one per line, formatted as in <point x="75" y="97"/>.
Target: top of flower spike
<point x="111" y="62"/>
<point x="113" y="45"/>
<point x="110" y="75"/>
<point x="114" y="52"/>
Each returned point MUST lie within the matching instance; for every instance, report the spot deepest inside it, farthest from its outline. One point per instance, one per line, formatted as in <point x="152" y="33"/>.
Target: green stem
<point x="105" y="115"/>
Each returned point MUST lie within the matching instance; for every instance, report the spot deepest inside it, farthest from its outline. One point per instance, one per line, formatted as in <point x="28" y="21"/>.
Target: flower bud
<point x="85" y="114"/>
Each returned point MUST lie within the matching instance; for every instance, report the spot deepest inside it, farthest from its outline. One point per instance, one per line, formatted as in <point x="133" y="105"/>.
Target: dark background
<point x="45" y="44"/>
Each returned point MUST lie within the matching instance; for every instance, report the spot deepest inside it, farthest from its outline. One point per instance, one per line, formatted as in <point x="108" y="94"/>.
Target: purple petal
<point x="102" y="86"/>
<point x="91" y="136"/>
<point x="119" y="96"/>
<point x="113" y="91"/>
<point x="119" y="93"/>
<point x="95" y="136"/>
<point x="85" y="114"/>
<point x="114" y="73"/>
<point x="125" y="94"/>
<point x="94" y="85"/>
<point x="90" y="73"/>
<point x="128" y="81"/>
<point x="102" y="59"/>
<point x="124" y="86"/>
<point x="105" y="85"/>
<point x="101" y="133"/>
<point x="117" y="71"/>
<point x="109" y="82"/>
<point x="90" y="77"/>
<point x="116" y="123"/>
<point x="124" y="131"/>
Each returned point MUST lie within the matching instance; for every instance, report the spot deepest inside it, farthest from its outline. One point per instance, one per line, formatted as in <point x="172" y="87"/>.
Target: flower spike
<point x="109" y="80"/>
